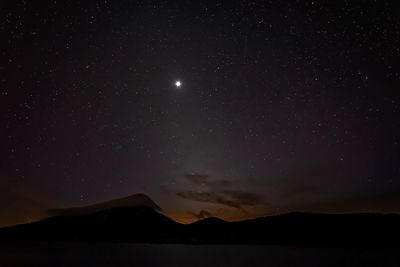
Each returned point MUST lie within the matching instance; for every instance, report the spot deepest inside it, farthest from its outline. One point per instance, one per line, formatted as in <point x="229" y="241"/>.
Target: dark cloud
<point x="245" y="198"/>
<point x="218" y="192"/>
<point x="204" y="179"/>
<point x="197" y="179"/>
<point x="208" y="197"/>
<point x="203" y="214"/>
<point x="221" y="183"/>
<point x="230" y="198"/>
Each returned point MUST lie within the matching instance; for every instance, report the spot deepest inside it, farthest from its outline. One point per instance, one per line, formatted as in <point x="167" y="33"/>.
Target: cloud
<point x="203" y="214"/>
<point x="208" y="197"/>
<point x="221" y="183"/>
<point x="245" y="198"/>
<point x="204" y="179"/>
<point x="197" y="179"/>
<point x="217" y="191"/>
<point x="230" y="198"/>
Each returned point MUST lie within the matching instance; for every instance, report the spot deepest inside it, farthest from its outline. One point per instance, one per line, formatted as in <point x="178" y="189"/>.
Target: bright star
<point x="178" y="83"/>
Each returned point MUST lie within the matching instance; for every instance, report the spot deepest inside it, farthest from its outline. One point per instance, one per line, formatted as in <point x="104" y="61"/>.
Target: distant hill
<point x="140" y="222"/>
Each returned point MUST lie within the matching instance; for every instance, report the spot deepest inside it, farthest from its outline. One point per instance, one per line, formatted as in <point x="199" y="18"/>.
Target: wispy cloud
<point x="230" y="198"/>
<point x="245" y="198"/>
<point x="196" y="179"/>
<point x="204" y="179"/>
<point x="202" y="214"/>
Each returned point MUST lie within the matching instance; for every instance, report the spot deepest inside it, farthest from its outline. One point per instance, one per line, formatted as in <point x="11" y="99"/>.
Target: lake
<point x="59" y="255"/>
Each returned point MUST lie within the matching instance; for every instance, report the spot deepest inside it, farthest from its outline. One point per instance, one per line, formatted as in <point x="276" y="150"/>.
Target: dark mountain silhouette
<point x="128" y="224"/>
<point x="141" y="200"/>
<point x="141" y="222"/>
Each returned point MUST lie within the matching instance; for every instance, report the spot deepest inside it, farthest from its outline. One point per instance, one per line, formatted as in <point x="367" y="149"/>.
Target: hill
<point x="140" y="223"/>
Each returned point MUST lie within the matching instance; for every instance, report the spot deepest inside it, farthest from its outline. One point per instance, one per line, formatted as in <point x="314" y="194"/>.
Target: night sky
<point x="283" y="106"/>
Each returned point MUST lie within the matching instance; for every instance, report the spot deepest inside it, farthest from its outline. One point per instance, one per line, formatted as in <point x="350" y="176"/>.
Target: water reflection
<point x="186" y="255"/>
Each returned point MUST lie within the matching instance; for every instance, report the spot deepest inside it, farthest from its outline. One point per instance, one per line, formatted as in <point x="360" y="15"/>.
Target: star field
<point x="280" y="106"/>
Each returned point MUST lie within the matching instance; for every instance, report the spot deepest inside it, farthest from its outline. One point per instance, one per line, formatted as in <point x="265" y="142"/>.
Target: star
<point x="178" y="84"/>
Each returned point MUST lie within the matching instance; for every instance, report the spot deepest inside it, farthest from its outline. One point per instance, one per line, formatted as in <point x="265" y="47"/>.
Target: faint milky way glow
<point x="233" y="111"/>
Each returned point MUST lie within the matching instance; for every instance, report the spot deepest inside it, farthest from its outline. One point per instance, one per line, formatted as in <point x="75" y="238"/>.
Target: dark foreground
<point x="59" y="254"/>
<point x="146" y="225"/>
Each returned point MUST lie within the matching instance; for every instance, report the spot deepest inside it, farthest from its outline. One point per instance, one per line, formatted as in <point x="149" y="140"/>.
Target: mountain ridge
<point x="144" y="224"/>
<point x="139" y="199"/>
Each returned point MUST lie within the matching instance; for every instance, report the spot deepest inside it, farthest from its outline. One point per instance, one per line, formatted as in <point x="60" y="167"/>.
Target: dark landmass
<point x="140" y="223"/>
<point x="125" y="202"/>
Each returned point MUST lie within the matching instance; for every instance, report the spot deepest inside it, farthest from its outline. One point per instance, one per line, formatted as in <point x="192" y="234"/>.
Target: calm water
<point x="187" y="255"/>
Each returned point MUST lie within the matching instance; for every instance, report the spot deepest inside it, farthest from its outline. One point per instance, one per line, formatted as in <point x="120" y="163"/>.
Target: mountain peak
<point x="135" y="200"/>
